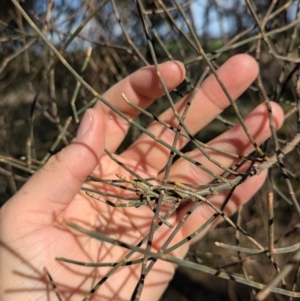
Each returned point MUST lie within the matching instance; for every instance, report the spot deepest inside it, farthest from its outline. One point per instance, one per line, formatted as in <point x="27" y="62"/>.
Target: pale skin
<point x="33" y="231"/>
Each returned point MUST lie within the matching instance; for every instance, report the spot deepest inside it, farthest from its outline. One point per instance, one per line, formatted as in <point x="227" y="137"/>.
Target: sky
<point x="201" y="20"/>
<point x="198" y="9"/>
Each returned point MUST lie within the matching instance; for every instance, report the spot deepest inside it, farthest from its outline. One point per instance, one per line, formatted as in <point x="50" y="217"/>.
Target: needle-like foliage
<point x="57" y="58"/>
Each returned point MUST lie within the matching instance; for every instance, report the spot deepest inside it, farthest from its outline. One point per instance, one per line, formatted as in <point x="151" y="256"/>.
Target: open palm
<point x="33" y="231"/>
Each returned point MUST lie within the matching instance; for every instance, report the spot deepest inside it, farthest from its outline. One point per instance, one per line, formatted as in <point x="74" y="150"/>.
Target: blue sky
<point x="211" y="21"/>
<point x="198" y="9"/>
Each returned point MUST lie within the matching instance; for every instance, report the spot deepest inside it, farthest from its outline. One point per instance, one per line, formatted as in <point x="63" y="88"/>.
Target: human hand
<point x="33" y="231"/>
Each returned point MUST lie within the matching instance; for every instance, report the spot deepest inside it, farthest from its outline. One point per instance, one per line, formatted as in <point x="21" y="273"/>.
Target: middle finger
<point x="237" y="74"/>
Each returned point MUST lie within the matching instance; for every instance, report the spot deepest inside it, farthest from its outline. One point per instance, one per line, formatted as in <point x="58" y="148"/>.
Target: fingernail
<point x="175" y="65"/>
<point x="85" y="123"/>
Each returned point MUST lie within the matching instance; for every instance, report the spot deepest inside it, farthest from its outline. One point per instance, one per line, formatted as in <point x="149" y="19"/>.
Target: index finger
<point x="142" y="88"/>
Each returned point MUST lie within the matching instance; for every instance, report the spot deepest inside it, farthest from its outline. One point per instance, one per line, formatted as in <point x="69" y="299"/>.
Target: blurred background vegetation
<point x="36" y="93"/>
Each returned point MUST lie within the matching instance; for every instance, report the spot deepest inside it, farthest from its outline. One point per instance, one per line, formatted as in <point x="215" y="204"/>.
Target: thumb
<point x="54" y="186"/>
